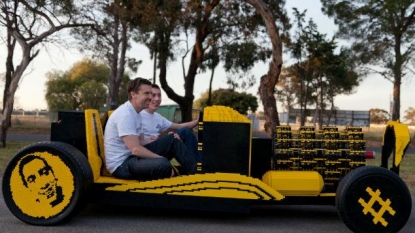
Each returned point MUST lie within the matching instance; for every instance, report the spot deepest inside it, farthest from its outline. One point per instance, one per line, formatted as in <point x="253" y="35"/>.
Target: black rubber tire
<point x="357" y="188"/>
<point x="72" y="181"/>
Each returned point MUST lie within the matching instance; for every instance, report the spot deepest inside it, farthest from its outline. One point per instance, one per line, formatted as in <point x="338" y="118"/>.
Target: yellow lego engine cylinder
<point x="295" y="183"/>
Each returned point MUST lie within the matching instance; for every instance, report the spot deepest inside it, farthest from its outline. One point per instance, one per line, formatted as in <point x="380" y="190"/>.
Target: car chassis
<point x="237" y="171"/>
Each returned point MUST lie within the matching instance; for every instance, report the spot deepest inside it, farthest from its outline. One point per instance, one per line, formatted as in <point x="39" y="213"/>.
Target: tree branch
<point x="42" y="36"/>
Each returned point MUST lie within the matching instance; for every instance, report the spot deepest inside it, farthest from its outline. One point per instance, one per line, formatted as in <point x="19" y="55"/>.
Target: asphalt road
<point x="28" y="137"/>
<point x="273" y="218"/>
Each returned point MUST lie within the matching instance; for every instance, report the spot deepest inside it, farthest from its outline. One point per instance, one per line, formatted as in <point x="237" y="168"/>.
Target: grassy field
<point x="407" y="169"/>
<point x="7" y="153"/>
<point x="25" y="129"/>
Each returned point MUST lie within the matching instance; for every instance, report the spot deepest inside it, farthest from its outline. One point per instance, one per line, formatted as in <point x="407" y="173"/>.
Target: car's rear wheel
<point x="47" y="183"/>
<point x="373" y="199"/>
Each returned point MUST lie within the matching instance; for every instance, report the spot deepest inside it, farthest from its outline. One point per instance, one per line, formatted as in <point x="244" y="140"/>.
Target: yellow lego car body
<point x="47" y="183"/>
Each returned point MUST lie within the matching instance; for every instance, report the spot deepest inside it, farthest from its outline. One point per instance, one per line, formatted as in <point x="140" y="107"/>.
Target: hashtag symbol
<point x="367" y="207"/>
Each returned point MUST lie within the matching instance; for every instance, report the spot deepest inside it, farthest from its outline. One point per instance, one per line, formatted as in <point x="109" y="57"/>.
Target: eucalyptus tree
<point x="322" y="73"/>
<point x="111" y="39"/>
<point x="302" y="67"/>
<point x="271" y="13"/>
<point x="288" y="89"/>
<point x="32" y="25"/>
<point x="382" y="35"/>
<point x="232" y="31"/>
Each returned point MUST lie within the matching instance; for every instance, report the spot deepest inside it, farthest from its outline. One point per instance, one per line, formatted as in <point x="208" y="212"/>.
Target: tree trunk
<point x="112" y="102"/>
<point x="397" y="71"/>
<point x="209" y="101"/>
<point x="11" y="45"/>
<point x="269" y="81"/>
<point x="202" y="31"/>
<point x="5" y="120"/>
<point x="185" y="102"/>
<point x="321" y="108"/>
<point x="117" y="62"/>
<point x="302" y="103"/>
<point x="396" y="107"/>
<point x="266" y="92"/>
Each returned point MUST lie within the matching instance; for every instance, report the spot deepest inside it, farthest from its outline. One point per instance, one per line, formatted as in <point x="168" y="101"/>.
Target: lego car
<point x="49" y="182"/>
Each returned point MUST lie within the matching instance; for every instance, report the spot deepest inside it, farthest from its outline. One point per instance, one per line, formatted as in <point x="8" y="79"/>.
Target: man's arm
<point x="190" y="125"/>
<point x="133" y="144"/>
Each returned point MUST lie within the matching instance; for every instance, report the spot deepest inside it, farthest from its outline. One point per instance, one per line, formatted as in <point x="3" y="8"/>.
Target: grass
<point x="28" y="129"/>
<point x="7" y="153"/>
<point x="407" y="168"/>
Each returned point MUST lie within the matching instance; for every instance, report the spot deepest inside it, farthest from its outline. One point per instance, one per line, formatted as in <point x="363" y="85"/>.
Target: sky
<point x="373" y="92"/>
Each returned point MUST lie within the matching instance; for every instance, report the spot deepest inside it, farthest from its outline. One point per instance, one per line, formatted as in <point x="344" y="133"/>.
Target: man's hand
<point x="175" y="135"/>
<point x="144" y="141"/>
<point x="152" y="138"/>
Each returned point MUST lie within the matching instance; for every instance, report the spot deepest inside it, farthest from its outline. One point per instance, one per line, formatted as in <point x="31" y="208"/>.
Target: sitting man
<point x="126" y="155"/>
<point x="154" y="124"/>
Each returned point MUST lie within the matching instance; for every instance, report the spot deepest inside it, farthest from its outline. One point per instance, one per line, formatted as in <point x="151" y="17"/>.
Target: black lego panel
<point x="70" y="128"/>
<point x="226" y="147"/>
<point x="261" y="156"/>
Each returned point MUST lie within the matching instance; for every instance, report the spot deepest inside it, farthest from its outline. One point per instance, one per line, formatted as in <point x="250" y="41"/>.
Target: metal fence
<point x="336" y="117"/>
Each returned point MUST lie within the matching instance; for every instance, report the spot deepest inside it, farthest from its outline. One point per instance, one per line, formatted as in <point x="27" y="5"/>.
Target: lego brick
<point x="232" y="156"/>
<point x="70" y="128"/>
<point x="261" y="156"/>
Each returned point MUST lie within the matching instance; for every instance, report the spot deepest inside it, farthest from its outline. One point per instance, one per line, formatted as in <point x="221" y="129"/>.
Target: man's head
<point x="38" y="176"/>
<point x="156" y="97"/>
<point x="139" y="93"/>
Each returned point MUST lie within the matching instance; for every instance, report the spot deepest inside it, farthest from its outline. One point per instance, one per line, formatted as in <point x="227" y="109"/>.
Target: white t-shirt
<point x="124" y="121"/>
<point x="153" y="124"/>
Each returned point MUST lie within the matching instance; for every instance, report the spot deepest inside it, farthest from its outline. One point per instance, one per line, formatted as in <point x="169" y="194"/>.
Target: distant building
<point x="335" y="117"/>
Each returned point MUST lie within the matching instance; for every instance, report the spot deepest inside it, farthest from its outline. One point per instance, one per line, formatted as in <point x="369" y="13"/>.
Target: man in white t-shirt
<point x="154" y="124"/>
<point x="128" y="157"/>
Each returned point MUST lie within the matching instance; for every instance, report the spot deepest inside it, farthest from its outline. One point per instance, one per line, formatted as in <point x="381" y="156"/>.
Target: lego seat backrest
<point x="95" y="143"/>
<point x="104" y="118"/>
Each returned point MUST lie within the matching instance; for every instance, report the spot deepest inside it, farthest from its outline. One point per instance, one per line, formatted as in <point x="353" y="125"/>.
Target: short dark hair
<point x="134" y="85"/>
<point x="155" y="86"/>
<point x="29" y="159"/>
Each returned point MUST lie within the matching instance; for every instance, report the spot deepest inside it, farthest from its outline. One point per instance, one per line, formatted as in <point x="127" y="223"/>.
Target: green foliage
<point x="410" y="116"/>
<point x="110" y="40"/>
<point x="319" y="74"/>
<point x="27" y="27"/>
<point x="93" y="94"/>
<point x="382" y="35"/>
<point x="81" y="87"/>
<point x="287" y="89"/>
<point x="241" y="102"/>
<point x="60" y="92"/>
<point x="378" y="116"/>
<point x="204" y="35"/>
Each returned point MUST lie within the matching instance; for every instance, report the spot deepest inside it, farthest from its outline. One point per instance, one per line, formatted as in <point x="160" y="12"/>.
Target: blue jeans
<point x="190" y="140"/>
<point x="156" y="168"/>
